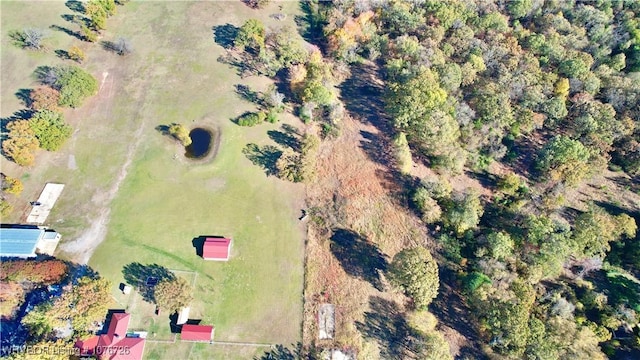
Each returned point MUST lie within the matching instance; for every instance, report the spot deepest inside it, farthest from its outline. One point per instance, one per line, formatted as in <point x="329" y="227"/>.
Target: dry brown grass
<point x="351" y="191"/>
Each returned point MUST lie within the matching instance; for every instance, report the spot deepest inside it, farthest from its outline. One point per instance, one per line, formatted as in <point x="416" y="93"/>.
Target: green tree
<point x="416" y="273"/>
<point x="251" y="35"/>
<point x="181" y="134"/>
<point x="75" y="85"/>
<point x="519" y="8"/>
<point x="564" y="159"/>
<point x="501" y="245"/>
<point x="173" y="294"/>
<point x="429" y="209"/>
<point x="595" y="229"/>
<point x="411" y="102"/>
<point x="463" y="212"/>
<point x="50" y="129"/>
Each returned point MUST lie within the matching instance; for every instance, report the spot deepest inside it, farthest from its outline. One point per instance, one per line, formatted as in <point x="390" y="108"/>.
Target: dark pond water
<point x="200" y="145"/>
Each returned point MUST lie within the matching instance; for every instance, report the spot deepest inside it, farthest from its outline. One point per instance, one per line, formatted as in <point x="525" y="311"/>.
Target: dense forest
<point x="547" y="93"/>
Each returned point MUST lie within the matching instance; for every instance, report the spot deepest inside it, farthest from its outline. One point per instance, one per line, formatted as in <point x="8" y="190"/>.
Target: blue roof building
<point x="26" y="242"/>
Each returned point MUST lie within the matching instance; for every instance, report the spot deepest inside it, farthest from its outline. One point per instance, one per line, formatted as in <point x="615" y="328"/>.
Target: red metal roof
<point x="114" y="345"/>
<point x="119" y="324"/>
<point x="196" y="332"/>
<point x="216" y="249"/>
<point x="87" y="346"/>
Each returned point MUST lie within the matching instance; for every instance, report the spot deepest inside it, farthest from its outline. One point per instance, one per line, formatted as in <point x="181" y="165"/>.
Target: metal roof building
<point x="25" y="242"/>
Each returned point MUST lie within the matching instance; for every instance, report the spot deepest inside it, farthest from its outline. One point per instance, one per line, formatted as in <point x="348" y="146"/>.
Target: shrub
<point x="252" y="119"/>
<point x="403" y="153"/>
<point x="272" y="117"/>
<point x="50" y="129"/>
<point x="75" y="85"/>
<point x="44" y="98"/>
<point x="5" y="208"/>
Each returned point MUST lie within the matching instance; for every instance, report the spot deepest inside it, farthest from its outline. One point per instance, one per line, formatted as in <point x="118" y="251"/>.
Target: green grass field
<point x="163" y="203"/>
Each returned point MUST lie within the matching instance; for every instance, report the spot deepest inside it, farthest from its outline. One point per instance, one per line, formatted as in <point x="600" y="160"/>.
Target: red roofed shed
<point x="196" y="332"/>
<point x="216" y="249"/>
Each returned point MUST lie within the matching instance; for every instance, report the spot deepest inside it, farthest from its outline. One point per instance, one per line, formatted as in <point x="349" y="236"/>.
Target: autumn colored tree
<point x="21" y="144"/>
<point x="45" y="272"/>
<point x="416" y="273"/>
<point x="181" y="134"/>
<point x="76" y="54"/>
<point x="173" y="294"/>
<point x="11" y="185"/>
<point x="44" y="98"/>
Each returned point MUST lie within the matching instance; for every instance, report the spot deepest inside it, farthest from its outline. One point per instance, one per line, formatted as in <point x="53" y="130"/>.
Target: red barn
<point x="196" y="332"/>
<point x="216" y="249"/>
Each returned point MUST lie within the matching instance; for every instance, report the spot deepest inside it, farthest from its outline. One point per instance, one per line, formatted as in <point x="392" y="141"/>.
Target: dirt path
<point x="81" y="249"/>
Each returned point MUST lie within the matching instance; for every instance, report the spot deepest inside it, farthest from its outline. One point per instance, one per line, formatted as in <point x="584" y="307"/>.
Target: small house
<point x="217" y="249"/>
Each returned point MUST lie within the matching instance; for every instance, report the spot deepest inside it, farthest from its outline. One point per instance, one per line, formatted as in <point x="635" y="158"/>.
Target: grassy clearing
<point x="163" y="203"/>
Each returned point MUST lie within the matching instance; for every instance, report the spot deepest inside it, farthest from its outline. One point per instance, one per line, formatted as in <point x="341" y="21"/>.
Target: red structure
<point x="115" y="344"/>
<point x="196" y="332"/>
<point x="216" y="249"/>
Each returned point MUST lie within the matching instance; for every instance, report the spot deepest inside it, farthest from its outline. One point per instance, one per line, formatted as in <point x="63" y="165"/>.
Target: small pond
<point x="200" y="143"/>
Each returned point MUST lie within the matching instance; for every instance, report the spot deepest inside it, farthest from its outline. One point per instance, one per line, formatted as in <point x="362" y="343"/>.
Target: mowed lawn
<point x="165" y="201"/>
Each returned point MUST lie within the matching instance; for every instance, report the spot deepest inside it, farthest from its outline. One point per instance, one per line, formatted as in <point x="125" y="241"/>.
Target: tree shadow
<point x="310" y="25"/>
<point x="362" y="94"/>
<point x="247" y="94"/>
<point x="284" y="139"/>
<point x="198" y="244"/>
<point x="225" y="35"/>
<point x="62" y="54"/>
<point x="109" y="46"/>
<point x="137" y="275"/>
<point x="452" y="311"/>
<point x="46" y="75"/>
<point x="376" y="147"/>
<point x="293" y="352"/>
<point x="76" y="6"/>
<point x="162" y="129"/>
<point x="245" y="64"/>
<point x="69" y="32"/>
<point x="359" y="257"/>
<point x="265" y="157"/>
<point x="25" y="96"/>
<point x="108" y="318"/>
<point x="385" y="323"/>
